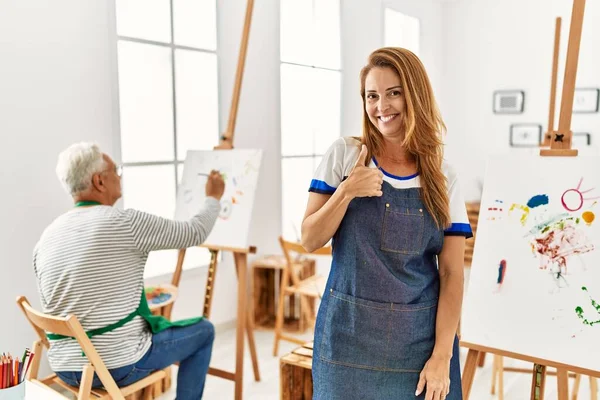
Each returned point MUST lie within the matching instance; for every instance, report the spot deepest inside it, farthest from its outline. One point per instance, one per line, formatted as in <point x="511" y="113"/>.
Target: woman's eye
<point x="395" y="93"/>
<point x="371" y="96"/>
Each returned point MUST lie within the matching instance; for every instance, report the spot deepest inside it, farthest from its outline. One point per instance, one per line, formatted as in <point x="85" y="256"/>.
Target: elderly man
<point x="90" y="262"/>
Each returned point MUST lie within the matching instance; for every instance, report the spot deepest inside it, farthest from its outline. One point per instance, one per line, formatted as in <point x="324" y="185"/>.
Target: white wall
<point x="56" y="87"/>
<point x="490" y="45"/>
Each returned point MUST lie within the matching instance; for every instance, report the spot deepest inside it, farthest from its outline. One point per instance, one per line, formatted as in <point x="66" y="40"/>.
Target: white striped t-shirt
<point x="340" y="158"/>
<point x="90" y="263"/>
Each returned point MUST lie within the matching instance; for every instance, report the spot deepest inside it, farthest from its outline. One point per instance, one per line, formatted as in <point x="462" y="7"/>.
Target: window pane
<point x="195" y="23"/>
<point x="150" y="189"/>
<point x="197" y="101"/>
<point x="327" y="42"/>
<point x="144" y="19"/>
<point x="296" y="176"/>
<point x="296" y="110"/>
<point x="326" y="115"/>
<point x="146" y="102"/>
<point x="296" y="26"/>
<point x="310" y="109"/>
<point x="402" y="30"/>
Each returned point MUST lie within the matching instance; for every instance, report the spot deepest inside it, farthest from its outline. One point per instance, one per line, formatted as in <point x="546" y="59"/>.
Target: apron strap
<point x="98" y="331"/>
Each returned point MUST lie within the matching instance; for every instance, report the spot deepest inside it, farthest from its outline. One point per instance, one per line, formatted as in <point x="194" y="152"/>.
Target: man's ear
<point x="98" y="183"/>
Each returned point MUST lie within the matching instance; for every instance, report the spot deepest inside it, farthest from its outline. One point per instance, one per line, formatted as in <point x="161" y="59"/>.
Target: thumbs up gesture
<point x="364" y="181"/>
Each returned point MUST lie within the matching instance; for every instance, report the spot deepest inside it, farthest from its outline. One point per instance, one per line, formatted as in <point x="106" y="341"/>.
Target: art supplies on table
<point x="13" y="370"/>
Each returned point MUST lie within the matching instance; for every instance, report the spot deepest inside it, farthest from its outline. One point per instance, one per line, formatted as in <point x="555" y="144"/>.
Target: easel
<point x="240" y="255"/>
<point x="547" y="140"/>
<point x="560" y="146"/>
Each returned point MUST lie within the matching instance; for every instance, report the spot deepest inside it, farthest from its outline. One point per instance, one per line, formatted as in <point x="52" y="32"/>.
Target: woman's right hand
<point x="363" y="181"/>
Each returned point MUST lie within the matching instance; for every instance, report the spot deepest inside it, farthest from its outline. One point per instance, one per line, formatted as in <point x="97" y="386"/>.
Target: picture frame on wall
<point x="509" y="101"/>
<point x="580" y="140"/>
<point x="525" y="135"/>
<point x="586" y="100"/>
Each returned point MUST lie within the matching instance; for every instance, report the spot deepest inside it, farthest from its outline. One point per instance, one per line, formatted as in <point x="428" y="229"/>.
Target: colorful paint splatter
<point x="555" y="237"/>
<point x="580" y="312"/>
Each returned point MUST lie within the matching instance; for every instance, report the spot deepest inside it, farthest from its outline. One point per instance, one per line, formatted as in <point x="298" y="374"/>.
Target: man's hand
<point x="215" y="186"/>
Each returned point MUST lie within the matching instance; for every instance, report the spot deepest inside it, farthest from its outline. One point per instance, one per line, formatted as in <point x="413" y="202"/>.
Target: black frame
<point x="585" y="134"/>
<point x="512" y="132"/>
<point x="499" y="92"/>
<point x="597" y="91"/>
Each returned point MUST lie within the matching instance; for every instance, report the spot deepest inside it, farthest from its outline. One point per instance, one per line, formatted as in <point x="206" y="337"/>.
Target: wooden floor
<point x="516" y="385"/>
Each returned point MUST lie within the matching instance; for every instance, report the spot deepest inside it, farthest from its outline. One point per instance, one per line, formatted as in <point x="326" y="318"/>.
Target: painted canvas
<point x="240" y="170"/>
<point x="534" y="287"/>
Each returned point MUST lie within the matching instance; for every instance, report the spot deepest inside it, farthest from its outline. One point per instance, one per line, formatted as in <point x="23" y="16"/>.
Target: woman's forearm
<point x="448" y="312"/>
<point x="319" y="228"/>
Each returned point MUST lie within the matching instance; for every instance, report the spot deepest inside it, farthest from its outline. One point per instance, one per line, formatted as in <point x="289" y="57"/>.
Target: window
<point x="402" y="30"/>
<point x="310" y="98"/>
<point x="168" y="97"/>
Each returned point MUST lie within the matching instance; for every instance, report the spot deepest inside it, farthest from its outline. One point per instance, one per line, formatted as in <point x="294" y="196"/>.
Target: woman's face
<point x="384" y="101"/>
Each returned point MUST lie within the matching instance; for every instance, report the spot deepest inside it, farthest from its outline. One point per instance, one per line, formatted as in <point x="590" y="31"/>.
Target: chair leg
<point x="279" y="317"/>
<point x="85" y="387"/>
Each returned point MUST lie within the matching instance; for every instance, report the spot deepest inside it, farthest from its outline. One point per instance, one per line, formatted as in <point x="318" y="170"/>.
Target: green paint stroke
<point x="579" y="311"/>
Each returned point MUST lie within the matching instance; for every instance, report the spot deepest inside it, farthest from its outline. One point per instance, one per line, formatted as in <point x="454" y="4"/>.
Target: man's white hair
<point x="77" y="164"/>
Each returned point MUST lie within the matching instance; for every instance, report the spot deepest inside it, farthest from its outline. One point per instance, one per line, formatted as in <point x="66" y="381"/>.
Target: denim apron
<point x="375" y="327"/>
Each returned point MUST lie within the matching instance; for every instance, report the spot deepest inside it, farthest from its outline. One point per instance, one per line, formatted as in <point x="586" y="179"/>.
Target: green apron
<point x="156" y="323"/>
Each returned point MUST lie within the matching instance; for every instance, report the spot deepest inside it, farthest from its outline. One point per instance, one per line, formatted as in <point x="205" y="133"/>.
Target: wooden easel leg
<point x="494" y="374"/>
<point x="241" y="266"/>
<point x="469" y="372"/>
<point x="500" y="377"/>
<point x="252" y="343"/>
<point x="562" y="376"/>
<point x="538" y="382"/>
<point x="576" y="387"/>
<point x="593" y="388"/>
<point x="481" y="359"/>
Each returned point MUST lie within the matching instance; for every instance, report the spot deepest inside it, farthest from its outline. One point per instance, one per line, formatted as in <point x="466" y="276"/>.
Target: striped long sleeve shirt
<point x="90" y="263"/>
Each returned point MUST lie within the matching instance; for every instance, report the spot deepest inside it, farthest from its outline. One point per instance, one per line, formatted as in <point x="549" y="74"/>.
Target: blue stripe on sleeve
<point x="459" y="229"/>
<point x="320" y="187"/>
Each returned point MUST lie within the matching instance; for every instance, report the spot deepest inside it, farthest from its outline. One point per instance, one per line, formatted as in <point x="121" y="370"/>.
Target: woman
<point x="386" y="328"/>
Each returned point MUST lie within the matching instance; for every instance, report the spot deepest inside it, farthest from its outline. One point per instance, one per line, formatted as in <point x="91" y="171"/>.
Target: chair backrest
<point x="294" y="247"/>
<point x="68" y="326"/>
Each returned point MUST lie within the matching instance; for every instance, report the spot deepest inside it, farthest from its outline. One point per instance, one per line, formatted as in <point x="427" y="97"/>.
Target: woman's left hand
<point x="436" y="375"/>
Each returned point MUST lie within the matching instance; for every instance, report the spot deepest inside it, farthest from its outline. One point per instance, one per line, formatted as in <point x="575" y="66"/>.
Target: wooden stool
<point x="266" y="281"/>
<point x="296" y="374"/>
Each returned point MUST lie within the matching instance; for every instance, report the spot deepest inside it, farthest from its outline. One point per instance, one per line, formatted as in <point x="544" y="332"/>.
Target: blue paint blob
<point x="537" y="200"/>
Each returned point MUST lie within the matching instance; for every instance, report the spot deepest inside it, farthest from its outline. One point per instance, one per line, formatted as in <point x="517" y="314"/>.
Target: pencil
<point x="1" y="372"/>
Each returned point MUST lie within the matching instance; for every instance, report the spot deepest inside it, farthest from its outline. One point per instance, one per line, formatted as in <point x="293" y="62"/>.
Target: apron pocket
<point x="380" y="336"/>
<point x="402" y="230"/>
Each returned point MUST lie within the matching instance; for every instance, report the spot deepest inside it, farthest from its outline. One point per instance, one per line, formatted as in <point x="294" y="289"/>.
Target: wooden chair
<point x="70" y="326"/>
<point x="311" y="287"/>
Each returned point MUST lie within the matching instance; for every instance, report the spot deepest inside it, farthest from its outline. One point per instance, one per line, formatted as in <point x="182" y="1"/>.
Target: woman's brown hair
<point x="423" y="126"/>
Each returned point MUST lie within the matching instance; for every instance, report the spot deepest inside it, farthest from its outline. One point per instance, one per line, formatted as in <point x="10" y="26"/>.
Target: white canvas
<point x="240" y="169"/>
<point x="538" y="214"/>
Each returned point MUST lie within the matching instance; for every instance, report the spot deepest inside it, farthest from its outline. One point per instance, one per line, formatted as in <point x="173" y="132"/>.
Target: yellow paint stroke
<point x="523" y="208"/>
<point x="588" y="217"/>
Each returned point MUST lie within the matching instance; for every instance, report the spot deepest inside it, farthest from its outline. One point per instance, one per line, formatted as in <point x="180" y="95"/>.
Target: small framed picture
<point x="509" y="101"/>
<point x="525" y="135"/>
<point x="580" y="140"/>
<point x="586" y="100"/>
